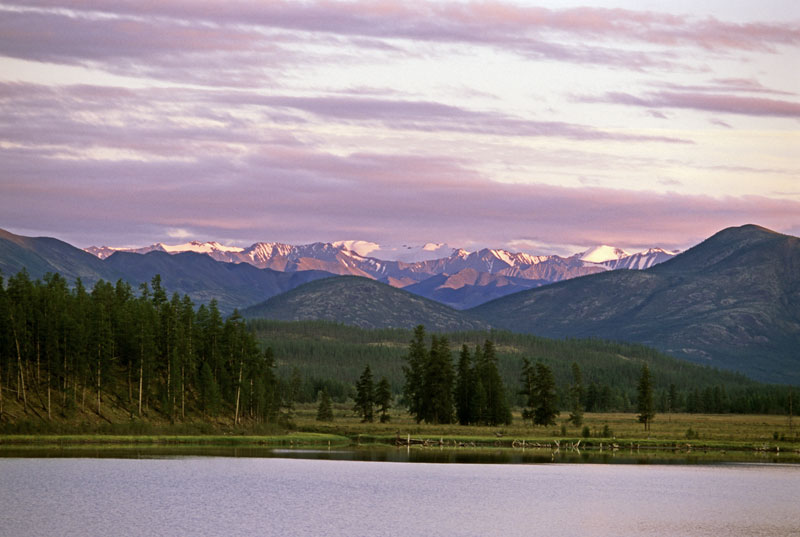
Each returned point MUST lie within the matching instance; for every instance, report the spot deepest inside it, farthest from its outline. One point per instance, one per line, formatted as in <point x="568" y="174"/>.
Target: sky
<point x="541" y="127"/>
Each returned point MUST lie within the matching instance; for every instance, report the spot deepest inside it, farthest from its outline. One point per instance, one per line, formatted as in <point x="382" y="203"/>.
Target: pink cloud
<point x="732" y="104"/>
<point x="35" y="109"/>
<point x="495" y="21"/>
<point x="302" y="195"/>
<point x="581" y="35"/>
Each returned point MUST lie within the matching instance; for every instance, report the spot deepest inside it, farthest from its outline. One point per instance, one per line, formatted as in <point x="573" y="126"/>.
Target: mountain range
<point x="732" y="301"/>
<point x="197" y="275"/>
<point x="461" y="280"/>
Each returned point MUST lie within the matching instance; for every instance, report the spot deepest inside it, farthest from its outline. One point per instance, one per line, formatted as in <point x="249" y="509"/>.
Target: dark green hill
<point x="362" y="302"/>
<point x="732" y="301"/>
<point x="233" y="285"/>
<point x="469" y="288"/>
<point x="332" y="356"/>
<point x="40" y="255"/>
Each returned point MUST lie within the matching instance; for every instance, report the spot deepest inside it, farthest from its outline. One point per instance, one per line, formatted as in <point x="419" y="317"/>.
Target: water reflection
<point x="278" y="495"/>
<point x="441" y="455"/>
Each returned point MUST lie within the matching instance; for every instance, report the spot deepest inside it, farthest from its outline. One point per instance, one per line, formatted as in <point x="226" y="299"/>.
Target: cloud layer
<point x="471" y="123"/>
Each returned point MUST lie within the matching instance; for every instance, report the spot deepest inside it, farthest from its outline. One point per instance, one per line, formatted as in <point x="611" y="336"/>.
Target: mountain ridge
<point x="505" y="272"/>
<point x="364" y="303"/>
<point x="731" y="301"/>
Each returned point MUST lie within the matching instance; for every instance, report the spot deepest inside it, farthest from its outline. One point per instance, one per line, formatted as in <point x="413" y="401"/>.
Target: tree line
<point x="472" y="392"/>
<point x="63" y="349"/>
<point x="332" y="356"/>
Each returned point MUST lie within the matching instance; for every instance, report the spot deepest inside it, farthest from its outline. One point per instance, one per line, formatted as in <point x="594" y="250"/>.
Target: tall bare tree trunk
<point x="169" y="380"/>
<point x="183" y="393"/>
<point x="21" y="378"/>
<point x="238" y="393"/>
<point x="141" y="380"/>
<point x="64" y="401"/>
<point x="98" y="379"/>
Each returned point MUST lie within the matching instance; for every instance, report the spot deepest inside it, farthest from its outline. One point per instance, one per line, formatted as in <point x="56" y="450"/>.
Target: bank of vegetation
<point x="115" y="360"/>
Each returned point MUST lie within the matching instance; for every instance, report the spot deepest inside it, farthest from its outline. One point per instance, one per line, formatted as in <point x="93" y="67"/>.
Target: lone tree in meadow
<point x="365" y="396"/>
<point x="539" y="389"/>
<point x="545" y="394"/>
<point x="325" y="409"/>
<point x="644" y="405"/>
<point x="576" y="396"/>
<point x="383" y="399"/>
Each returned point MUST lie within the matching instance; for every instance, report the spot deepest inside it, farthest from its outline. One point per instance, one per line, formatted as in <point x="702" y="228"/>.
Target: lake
<point x="266" y="496"/>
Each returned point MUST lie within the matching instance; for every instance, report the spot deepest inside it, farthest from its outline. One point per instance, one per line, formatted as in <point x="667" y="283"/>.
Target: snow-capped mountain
<point x="211" y="248"/>
<point x="602" y="253"/>
<point x="412" y="265"/>
<point x="641" y="260"/>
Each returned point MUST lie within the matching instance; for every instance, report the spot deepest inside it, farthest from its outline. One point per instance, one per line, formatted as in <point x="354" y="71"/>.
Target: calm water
<point x="207" y="496"/>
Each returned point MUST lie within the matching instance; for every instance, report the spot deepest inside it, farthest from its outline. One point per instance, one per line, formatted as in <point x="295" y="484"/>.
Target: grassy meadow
<point x="734" y="430"/>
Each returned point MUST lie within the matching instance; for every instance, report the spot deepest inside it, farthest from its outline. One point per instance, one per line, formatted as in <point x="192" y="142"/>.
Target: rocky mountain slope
<point x="732" y="301"/>
<point x="491" y="272"/>
<point x="364" y="303"/>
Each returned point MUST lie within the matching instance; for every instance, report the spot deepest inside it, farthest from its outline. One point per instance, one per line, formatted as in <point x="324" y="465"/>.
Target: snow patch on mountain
<point x="362" y="248"/>
<point x="414" y="254"/>
<point x="602" y="253"/>
<point x="198" y="247"/>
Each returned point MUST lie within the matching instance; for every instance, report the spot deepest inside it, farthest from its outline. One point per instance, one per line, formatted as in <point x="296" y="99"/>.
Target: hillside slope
<point x="732" y="301"/>
<point x="233" y="285"/>
<point x="40" y="255"/>
<point x="362" y="302"/>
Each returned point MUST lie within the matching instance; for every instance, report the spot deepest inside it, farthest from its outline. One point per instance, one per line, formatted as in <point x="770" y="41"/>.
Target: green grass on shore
<point x="676" y="431"/>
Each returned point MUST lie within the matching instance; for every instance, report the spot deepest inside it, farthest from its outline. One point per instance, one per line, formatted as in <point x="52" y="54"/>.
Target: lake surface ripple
<point x="215" y="496"/>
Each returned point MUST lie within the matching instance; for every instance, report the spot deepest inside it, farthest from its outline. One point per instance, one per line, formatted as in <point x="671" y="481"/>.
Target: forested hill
<point x="362" y="302"/>
<point x="331" y="356"/>
<point x="111" y="354"/>
<point x="732" y="301"/>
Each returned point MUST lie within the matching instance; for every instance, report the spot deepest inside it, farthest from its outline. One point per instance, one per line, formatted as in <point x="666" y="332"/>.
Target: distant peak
<point x="599" y="254"/>
<point x="362" y="248"/>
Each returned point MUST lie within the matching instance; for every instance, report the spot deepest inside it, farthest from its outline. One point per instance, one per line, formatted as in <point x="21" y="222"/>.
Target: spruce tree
<point x="497" y="410"/>
<point x="324" y="410"/>
<point x="383" y="399"/>
<point x="209" y="392"/>
<point x="414" y="371"/>
<point x="439" y="378"/>
<point x="464" y="391"/>
<point x="365" y="396"/>
<point x="545" y="395"/>
<point x="576" y="396"/>
<point x="528" y="380"/>
<point x="644" y="405"/>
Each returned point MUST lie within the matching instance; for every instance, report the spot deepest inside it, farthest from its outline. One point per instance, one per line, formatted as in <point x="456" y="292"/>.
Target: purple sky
<point x="543" y="127"/>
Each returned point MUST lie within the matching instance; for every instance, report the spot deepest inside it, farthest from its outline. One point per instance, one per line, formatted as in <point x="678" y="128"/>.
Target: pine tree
<point x="383" y="399"/>
<point x="325" y="409"/>
<point x="209" y="391"/>
<point x="365" y="396"/>
<point x="576" y="396"/>
<point x="464" y="391"/>
<point x="497" y="410"/>
<point x="528" y="381"/>
<point x="414" y="371"/>
<point x="545" y="395"/>
<point x="437" y="395"/>
<point x="644" y="405"/>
